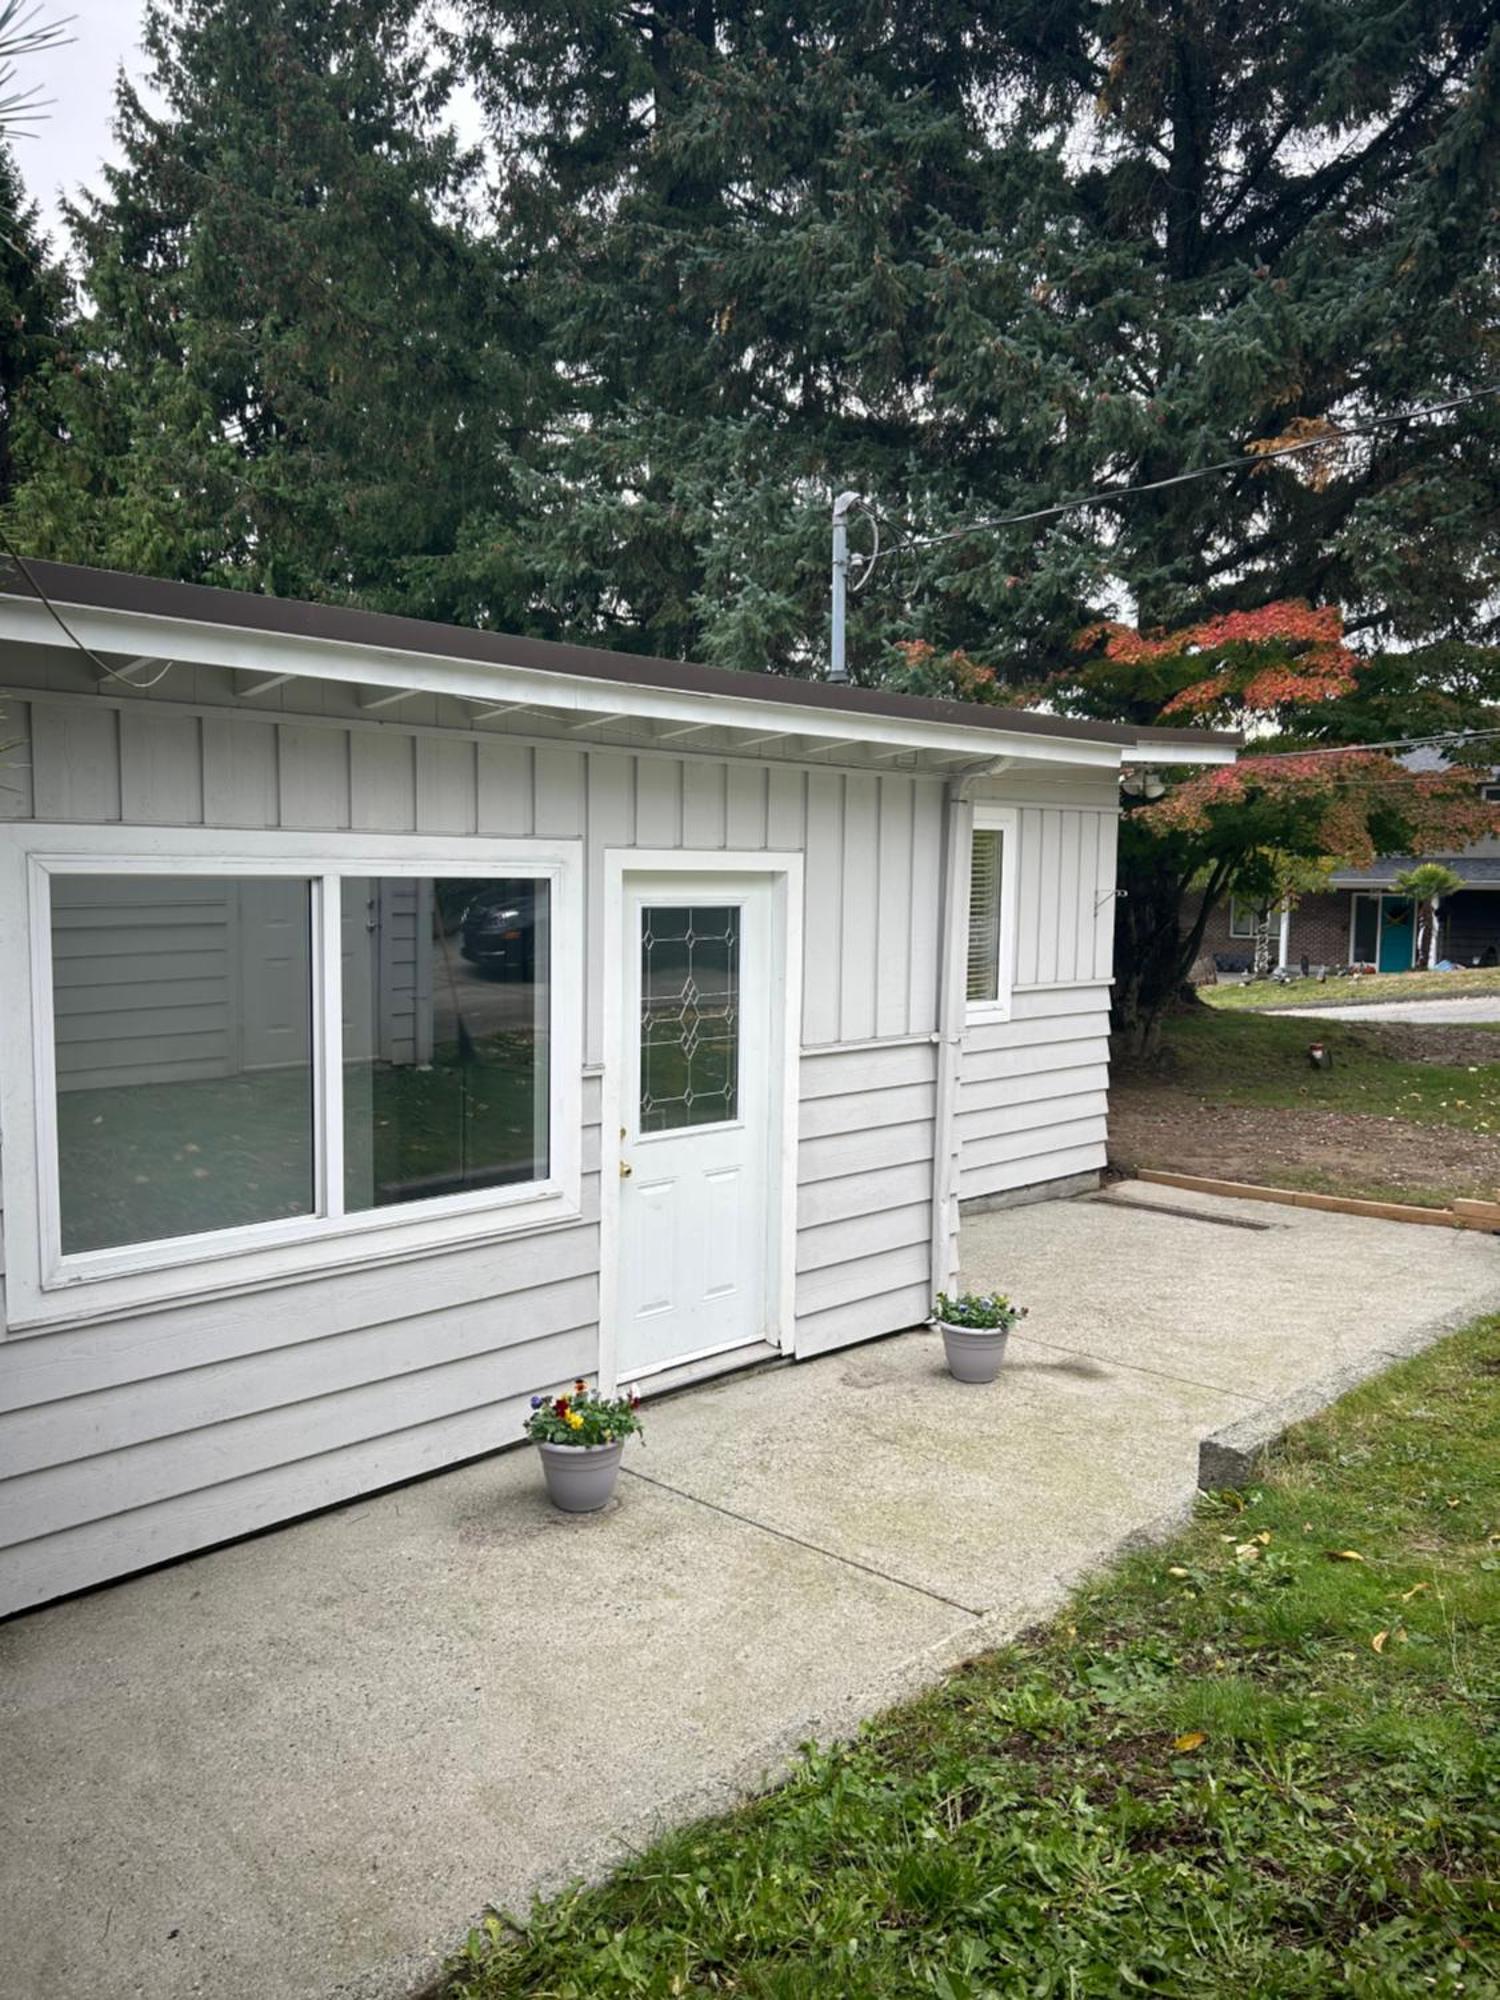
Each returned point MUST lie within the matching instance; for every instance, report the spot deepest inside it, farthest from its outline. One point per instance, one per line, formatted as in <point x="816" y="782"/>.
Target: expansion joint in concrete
<point x="1139" y="1368"/>
<point x="800" y="1542"/>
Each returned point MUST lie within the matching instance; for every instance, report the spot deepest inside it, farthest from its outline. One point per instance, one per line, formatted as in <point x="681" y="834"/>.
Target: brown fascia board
<point x="156" y="597"/>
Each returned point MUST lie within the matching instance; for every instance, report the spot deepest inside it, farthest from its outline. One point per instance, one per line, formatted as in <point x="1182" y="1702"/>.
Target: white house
<point x="401" y="1019"/>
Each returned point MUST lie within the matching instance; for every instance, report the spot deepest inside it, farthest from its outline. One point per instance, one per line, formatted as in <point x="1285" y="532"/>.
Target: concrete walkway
<point x="297" y="1767"/>
<point x="1458" y="1012"/>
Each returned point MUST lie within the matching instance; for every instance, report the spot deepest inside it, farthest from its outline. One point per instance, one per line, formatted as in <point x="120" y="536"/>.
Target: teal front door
<point x="1397" y="937"/>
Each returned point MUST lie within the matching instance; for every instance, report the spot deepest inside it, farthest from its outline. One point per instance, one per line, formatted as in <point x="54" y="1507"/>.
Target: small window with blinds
<point x="986" y="869"/>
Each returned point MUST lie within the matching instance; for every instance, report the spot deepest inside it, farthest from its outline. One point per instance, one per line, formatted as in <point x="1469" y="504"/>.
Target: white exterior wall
<point x="1033" y="1090"/>
<point x="135" y="1439"/>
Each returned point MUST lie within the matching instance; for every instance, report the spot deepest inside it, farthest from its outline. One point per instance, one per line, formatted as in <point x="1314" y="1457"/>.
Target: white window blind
<point x="986" y="860"/>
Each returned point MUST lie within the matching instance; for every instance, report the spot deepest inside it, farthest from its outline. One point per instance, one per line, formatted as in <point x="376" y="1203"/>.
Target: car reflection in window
<point x="499" y="931"/>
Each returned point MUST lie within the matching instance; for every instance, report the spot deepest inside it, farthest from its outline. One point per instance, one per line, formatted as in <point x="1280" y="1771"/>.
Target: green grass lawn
<point x="1470" y="984"/>
<point x="1261" y="1761"/>
<point x="1249" y="1059"/>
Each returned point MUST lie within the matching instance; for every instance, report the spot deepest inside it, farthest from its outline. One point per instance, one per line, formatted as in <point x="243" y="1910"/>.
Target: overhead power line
<point x="1107" y="496"/>
<point x="1443" y="736"/>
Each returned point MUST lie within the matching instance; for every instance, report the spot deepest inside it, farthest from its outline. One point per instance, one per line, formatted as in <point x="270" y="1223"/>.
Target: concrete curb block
<point x="1229" y="1456"/>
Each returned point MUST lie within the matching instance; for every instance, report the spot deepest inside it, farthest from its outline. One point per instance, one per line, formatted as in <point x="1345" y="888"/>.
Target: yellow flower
<point x="575" y="1422"/>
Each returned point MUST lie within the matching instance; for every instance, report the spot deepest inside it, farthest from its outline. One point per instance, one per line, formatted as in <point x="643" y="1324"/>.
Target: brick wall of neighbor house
<point x="1320" y="929"/>
<point x="1320" y="932"/>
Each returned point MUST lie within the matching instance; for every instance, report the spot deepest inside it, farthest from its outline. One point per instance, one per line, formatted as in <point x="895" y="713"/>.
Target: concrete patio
<point x="298" y="1766"/>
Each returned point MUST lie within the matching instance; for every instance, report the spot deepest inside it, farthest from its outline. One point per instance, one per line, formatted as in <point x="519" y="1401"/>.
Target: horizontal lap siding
<point x="138" y="1439"/>
<point x="864" y="1197"/>
<point x="1032" y="1101"/>
<point x="403" y="1443"/>
<point x="146" y="1437"/>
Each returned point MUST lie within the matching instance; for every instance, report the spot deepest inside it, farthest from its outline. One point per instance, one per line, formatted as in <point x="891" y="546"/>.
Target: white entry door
<point x="697" y="1118"/>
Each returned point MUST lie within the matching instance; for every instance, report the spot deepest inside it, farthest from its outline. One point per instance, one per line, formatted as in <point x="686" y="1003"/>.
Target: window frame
<point x="1243" y="931"/>
<point x="44" y="1286"/>
<point x="1004" y="820"/>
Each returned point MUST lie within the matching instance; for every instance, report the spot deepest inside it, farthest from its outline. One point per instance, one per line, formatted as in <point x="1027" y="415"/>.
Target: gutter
<point x="115" y="611"/>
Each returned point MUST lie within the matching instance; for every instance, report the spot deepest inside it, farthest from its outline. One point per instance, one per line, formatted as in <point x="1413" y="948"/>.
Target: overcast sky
<point x="65" y="148"/>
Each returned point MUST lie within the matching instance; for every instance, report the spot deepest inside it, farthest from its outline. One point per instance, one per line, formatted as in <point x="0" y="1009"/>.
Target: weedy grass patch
<point x="1262" y="1760"/>
<point x="1247" y="1059"/>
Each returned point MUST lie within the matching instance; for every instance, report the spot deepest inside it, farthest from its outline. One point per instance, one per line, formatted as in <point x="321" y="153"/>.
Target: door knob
<point x="624" y="1170"/>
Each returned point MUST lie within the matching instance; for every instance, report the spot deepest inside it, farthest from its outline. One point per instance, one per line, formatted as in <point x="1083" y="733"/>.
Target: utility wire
<point x="1392" y="743"/>
<point x="1104" y="497"/>
<point x="103" y="666"/>
<point x="1107" y="496"/>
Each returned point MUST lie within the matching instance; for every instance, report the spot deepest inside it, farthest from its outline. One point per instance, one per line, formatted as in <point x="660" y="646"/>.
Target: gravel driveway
<point x="1482" y="1007"/>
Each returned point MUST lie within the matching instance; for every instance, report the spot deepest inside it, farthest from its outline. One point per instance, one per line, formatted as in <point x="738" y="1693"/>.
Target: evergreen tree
<point x="33" y="307"/>
<point x="969" y="260"/>
<point x="293" y="361"/>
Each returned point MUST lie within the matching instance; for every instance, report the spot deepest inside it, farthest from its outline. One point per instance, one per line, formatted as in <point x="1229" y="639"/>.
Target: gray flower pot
<point x="581" y="1477"/>
<point x="974" y="1352"/>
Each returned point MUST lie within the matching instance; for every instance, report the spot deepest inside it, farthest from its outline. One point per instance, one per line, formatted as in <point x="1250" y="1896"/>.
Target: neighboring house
<point x="401" y="1020"/>
<point x="1362" y="919"/>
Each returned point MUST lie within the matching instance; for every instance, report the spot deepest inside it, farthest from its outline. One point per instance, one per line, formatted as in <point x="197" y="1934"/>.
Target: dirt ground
<point x="1433" y="1042"/>
<point x="1154" y="1123"/>
<point x="1343" y="1151"/>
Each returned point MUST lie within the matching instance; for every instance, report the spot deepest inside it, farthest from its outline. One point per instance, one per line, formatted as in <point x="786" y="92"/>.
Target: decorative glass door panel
<point x="697" y="984"/>
<point x="690" y="1016"/>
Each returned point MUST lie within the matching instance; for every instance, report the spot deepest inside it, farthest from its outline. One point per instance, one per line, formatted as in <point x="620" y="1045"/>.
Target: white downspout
<point x="1284" y="947"/>
<point x="952" y="901"/>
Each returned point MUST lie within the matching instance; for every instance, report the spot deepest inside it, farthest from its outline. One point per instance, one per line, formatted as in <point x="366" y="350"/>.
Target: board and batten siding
<point x="1033" y="1090"/>
<point x="129" y="1441"/>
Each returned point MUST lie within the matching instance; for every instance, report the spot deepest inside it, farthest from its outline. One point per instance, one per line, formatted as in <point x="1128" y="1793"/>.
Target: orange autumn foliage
<point x="1344" y="793"/>
<point x="1317" y="665"/>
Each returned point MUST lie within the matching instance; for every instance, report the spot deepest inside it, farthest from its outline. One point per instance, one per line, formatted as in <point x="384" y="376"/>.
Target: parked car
<point x="499" y="930"/>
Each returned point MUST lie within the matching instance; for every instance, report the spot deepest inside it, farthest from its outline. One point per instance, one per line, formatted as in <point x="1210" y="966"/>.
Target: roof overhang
<point x="1382" y="875"/>
<point x="139" y="623"/>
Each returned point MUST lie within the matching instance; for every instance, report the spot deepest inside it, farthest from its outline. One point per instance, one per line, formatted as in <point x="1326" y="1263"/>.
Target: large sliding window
<point x="231" y="1061"/>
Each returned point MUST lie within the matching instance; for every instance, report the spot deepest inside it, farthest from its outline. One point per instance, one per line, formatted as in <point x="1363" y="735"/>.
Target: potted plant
<point x="581" y="1436"/>
<point x="975" y="1327"/>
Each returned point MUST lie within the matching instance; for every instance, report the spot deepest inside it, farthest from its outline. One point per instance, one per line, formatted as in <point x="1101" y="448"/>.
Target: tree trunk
<point x="1153" y="953"/>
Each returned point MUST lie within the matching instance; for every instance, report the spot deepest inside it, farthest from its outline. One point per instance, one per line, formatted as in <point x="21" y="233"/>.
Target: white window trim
<point x="1246" y="933"/>
<point x="44" y="1288"/>
<point x="1004" y="820"/>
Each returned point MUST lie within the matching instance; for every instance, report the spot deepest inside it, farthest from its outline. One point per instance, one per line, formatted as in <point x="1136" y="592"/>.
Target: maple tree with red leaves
<point x="1279" y="674"/>
<point x="1287" y="676"/>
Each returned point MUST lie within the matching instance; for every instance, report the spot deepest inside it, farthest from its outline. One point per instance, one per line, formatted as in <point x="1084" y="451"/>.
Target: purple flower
<point x="537" y="1401"/>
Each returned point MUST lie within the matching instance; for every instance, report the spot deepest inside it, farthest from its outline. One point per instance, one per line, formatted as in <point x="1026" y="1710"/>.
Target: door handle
<point x="624" y="1170"/>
